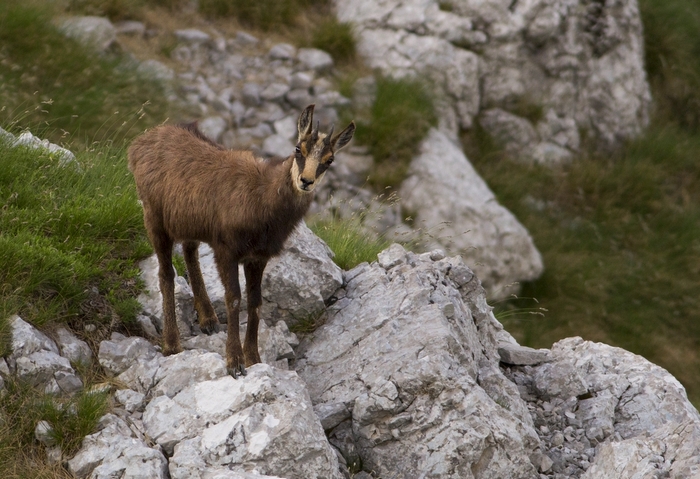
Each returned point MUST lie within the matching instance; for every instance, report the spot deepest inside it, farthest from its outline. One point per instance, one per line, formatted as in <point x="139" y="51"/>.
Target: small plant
<point x="22" y="407"/>
<point x="336" y="38"/>
<point x="351" y="244"/>
<point x="263" y="14"/>
<point x="400" y="118"/>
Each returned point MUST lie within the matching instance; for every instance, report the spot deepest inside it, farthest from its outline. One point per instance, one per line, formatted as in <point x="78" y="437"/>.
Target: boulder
<point x="97" y="33"/>
<point x="263" y="421"/>
<point x="470" y="223"/>
<point x="74" y="349"/>
<point x="35" y="358"/>
<point x="581" y="60"/>
<point x="407" y="366"/>
<point x="605" y="412"/>
<point x="117" y="451"/>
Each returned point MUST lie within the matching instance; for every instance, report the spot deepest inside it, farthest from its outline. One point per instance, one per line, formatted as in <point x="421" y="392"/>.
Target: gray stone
<point x="472" y="223"/>
<point x="278" y="145"/>
<point x="521" y="355"/>
<point x="192" y="36"/>
<point x="28" y="140"/>
<point x="287" y="128"/>
<point x="331" y="414"/>
<point x="582" y="60"/>
<point x="72" y="348"/>
<point x="49" y="369"/>
<point x="302" y="80"/>
<point x="6" y="137"/>
<point x="315" y="59"/>
<point x="244" y="38"/>
<point x="514" y="133"/>
<point x="299" y="98"/>
<point x="116" y="356"/>
<point x="412" y="376"/>
<point x="130" y="27"/>
<point x="213" y="127"/>
<point x="95" y="32"/>
<point x="250" y="94"/>
<point x="282" y="51"/>
<point x="131" y="400"/>
<point x="116" y="451"/>
<point x="44" y="433"/>
<point x="26" y="339"/>
<point x="274" y="92"/>
<point x="263" y="420"/>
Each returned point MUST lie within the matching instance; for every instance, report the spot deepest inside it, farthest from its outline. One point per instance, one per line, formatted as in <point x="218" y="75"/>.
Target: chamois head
<point x="314" y="151"/>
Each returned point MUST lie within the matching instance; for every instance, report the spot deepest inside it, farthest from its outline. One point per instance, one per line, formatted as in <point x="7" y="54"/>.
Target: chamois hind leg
<point x="163" y="246"/>
<point x="253" y="280"/>
<point x="208" y="322"/>
<point x="228" y="272"/>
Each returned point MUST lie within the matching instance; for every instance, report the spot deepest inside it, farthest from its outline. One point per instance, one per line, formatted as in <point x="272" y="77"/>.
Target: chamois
<point x="194" y="190"/>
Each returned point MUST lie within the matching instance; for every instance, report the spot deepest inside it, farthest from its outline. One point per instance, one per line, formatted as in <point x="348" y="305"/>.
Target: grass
<point x="620" y="239"/>
<point x="69" y="232"/>
<point x="351" y="244"/>
<point x="62" y="88"/>
<point x="399" y="119"/>
<point x="22" y="407"/>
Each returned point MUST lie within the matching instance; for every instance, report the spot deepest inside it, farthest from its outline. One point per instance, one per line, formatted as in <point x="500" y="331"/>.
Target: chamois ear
<point x="305" y="124"/>
<point x="343" y="137"/>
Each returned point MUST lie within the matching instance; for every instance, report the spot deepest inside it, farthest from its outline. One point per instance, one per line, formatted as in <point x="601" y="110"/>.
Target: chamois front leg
<point x="208" y="322"/>
<point x="163" y="246"/>
<point x="253" y="285"/>
<point x="228" y="272"/>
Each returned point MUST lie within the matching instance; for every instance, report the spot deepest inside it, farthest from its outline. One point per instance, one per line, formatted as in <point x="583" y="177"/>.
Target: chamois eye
<point x="330" y="160"/>
<point x="298" y="151"/>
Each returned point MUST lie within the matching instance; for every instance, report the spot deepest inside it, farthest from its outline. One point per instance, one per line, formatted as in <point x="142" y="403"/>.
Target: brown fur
<point x="245" y="208"/>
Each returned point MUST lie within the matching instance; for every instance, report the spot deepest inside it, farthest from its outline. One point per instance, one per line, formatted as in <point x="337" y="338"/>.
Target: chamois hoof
<point x="211" y="327"/>
<point x="236" y="371"/>
<point x="168" y="351"/>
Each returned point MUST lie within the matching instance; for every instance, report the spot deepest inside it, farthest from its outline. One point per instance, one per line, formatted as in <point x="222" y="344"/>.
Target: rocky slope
<point x="410" y="376"/>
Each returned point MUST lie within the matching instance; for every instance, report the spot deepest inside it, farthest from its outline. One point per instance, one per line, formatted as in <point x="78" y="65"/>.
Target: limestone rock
<point x="117" y="355"/>
<point x="582" y="60"/>
<point x="263" y="420"/>
<point x="72" y="348"/>
<point x="472" y="223"/>
<point x="116" y="451"/>
<point x="35" y="358"/>
<point x="315" y="59"/>
<point x="95" y="32"/>
<point x="410" y="352"/>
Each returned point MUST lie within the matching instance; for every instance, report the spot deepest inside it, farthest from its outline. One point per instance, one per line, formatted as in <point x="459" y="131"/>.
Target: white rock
<point x="116" y="356"/>
<point x="26" y="339"/>
<point x="278" y="145"/>
<point x="72" y="348"/>
<point x="213" y="127"/>
<point x="192" y="36"/>
<point x="282" y="51"/>
<point x="472" y="223"/>
<point x="315" y="59"/>
<point x="419" y="383"/>
<point x="95" y="32"/>
<point x="115" y="451"/>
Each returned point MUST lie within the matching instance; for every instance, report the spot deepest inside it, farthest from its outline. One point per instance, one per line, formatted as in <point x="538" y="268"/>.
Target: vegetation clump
<point x="399" y="119"/>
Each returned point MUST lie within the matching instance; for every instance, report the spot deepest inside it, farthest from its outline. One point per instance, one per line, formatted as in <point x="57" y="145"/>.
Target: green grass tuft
<point x="400" y="118"/>
<point x="350" y="243"/>
<point x="335" y="38"/>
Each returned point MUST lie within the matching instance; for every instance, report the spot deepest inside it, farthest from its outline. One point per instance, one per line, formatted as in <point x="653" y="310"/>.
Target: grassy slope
<point x="620" y="235"/>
